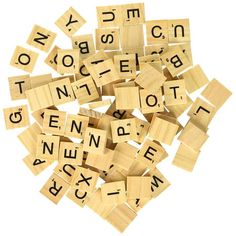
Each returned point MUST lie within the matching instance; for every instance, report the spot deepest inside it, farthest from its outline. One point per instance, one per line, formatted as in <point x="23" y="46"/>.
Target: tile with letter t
<point x="55" y="188"/>
<point x="16" y="117"/>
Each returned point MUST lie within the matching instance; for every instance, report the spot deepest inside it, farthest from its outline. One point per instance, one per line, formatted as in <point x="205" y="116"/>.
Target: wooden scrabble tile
<point x="127" y="98"/>
<point x="36" y="165"/>
<point x="70" y="153"/>
<point x="178" y="31"/>
<point x="124" y="155"/>
<point x="61" y="91"/>
<point x="132" y="37"/>
<point x="138" y="204"/>
<point x="40" y="80"/>
<point x="113" y="193"/>
<point x="65" y="171"/>
<point x="139" y="52"/>
<point x="94" y="116"/>
<point x="29" y="138"/>
<point x="150" y="59"/>
<point x="78" y="197"/>
<point x="70" y="22"/>
<point x="158" y="182"/>
<point x="99" y="104"/>
<point x="185" y="157"/>
<point x="76" y="126"/>
<point x="54" y="122"/>
<point x="16" y="117"/>
<point x="41" y="38"/>
<point x="157" y="32"/>
<point x="83" y="71"/>
<point x="107" y="38"/>
<point x="55" y="188"/>
<point x="96" y="204"/>
<point x="104" y="73"/>
<point x="137" y="168"/>
<point x="47" y="147"/>
<point x="125" y="66"/>
<point x="123" y="130"/>
<point x="51" y="59"/>
<point x="39" y="97"/>
<point x="174" y="92"/>
<point x="151" y="102"/>
<point x="142" y="128"/>
<point x="85" y="44"/>
<point x="133" y="14"/>
<point x="162" y="130"/>
<point x="175" y="60"/>
<point x="117" y="113"/>
<point x="201" y="113"/>
<point x="121" y="216"/>
<point x="95" y="140"/>
<point x="138" y="187"/>
<point x="186" y="49"/>
<point x="24" y="59"/>
<point x="68" y="61"/>
<point x="156" y="49"/>
<point x="85" y="179"/>
<point x="193" y="136"/>
<point x="216" y="93"/>
<point x="170" y="118"/>
<point x="18" y="85"/>
<point x="85" y="90"/>
<point x="151" y="153"/>
<point x="194" y="78"/>
<point x="100" y="162"/>
<point x="150" y="78"/>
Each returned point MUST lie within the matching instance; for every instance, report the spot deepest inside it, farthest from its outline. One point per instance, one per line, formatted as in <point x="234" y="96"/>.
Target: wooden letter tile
<point x="78" y="197"/>
<point x="66" y="172"/>
<point x="51" y="59"/>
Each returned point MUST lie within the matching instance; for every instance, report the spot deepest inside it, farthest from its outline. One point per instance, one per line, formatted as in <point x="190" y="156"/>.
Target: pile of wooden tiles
<point x="116" y="146"/>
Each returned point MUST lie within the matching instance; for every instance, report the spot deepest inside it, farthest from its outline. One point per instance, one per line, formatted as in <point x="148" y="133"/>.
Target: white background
<point x="200" y="203"/>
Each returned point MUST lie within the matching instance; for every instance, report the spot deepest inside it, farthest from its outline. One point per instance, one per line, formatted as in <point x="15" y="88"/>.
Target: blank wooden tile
<point x="104" y="123"/>
<point x="150" y="78"/>
<point x="51" y="59"/>
<point x="85" y="90"/>
<point x="113" y="193"/>
<point x="41" y="38"/>
<point x="40" y="80"/>
<point x="107" y="38"/>
<point x="65" y="171"/>
<point x="76" y="126"/>
<point x="85" y="44"/>
<point x="54" y="122"/>
<point x="55" y="188"/>
<point x="78" y="197"/>
<point x="18" y="85"/>
<point x="142" y="128"/>
<point x="175" y="60"/>
<point x="194" y="78"/>
<point x="121" y="216"/>
<point x="36" y="165"/>
<point x="70" y="22"/>
<point x="178" y="31"/>
<point x="68" y="61"/>
<point x="216" y="93"/>
<point x="137" y="168"/>
<point x="162" y="130"/>
<point x="151" y="101"/>
<point x="201" y="113"/>
<point x="99" y="104"/>
<point x="95" y="140"/>
<point x="47" y="147"/>
<point x="16" y="117"/>
<point x="123" y="130"/>
<point x="127" y="98"/>
<point x="174" y="92"/>
<point x="61" y="91"/>
<point x="158" y="182"/>
<point x="85" y="179"/>
<point x="193" y="136"/>
<point x="24" y="59"/>
<point x="70" y="153"/>
<point x="157" y="32"/>
<point x="185" y="157"/>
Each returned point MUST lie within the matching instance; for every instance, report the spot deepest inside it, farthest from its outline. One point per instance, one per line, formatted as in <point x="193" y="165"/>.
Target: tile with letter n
<point x="54" y="122"/>
<point x="85" y="179"/>
<point x="55" y="188"/>
<point x="24" y="59"/>
<point x="114" y="192"/>
<point x="16" y="117"/>
<point x="61" y="91"/>
<point x="47" y="147"/>
<point x="70" y="22"/>
<point x="41" y="38"/>
<point x="78" y="197"/>
<point x="95" y="140"/>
